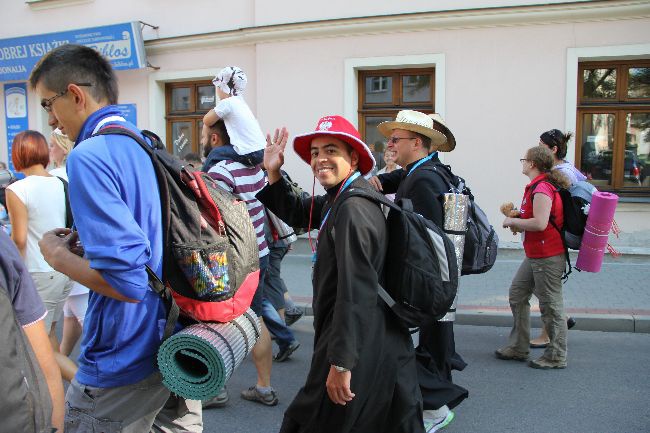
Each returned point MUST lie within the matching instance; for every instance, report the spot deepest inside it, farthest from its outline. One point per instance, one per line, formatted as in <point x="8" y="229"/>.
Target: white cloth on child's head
<point x="231" y="80"/>
<point x="244" y="131"/>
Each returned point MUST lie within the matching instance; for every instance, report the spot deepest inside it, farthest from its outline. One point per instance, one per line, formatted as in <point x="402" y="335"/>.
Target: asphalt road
<point x="605" y="389"/>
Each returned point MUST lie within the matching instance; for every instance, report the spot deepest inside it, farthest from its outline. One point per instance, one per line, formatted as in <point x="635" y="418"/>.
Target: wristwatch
<point x="340" y="369"/>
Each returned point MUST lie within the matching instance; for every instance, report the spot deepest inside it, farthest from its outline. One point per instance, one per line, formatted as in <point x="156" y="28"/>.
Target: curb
<point x="584" y="321"/>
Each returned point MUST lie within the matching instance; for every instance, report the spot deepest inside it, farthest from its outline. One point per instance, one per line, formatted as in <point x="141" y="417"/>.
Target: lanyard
<point x="422" y="161"/>
<point x="345" y="185"/>
<point x="322" y="224"/>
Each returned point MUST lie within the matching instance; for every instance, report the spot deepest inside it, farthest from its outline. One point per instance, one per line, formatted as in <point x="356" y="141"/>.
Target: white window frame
<point x="352" y="67"/>
<point x="585" y="54"/>
<point x="157" y="82"/>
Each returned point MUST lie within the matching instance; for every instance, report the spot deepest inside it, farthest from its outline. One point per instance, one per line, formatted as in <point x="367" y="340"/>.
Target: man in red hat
<point x="362" y="375"/>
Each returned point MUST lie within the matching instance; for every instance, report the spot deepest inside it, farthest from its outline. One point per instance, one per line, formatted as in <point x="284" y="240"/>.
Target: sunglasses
<point x="47" y="103"/>
<point x="395" y="140"/>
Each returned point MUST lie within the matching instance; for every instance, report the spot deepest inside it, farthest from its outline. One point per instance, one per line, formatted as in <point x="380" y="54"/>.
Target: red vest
<point x="548" y="242"/>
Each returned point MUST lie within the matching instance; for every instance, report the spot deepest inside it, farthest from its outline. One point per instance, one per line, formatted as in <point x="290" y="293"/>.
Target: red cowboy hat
<point x="340" y="128"/>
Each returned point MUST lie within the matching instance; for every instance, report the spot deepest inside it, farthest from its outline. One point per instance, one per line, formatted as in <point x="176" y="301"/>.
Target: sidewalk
<point x="617" y="299"/>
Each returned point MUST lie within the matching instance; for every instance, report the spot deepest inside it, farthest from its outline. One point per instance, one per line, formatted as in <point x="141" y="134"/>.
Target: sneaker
<point x="292" y="315"/>
<point x="546" y="364"/>
<point x="509" y="354"/>
<point x="218" y="401"/>
<point x="435" y="424"/>
<point x="285" y="353"/>
<point x="253" y="394"/>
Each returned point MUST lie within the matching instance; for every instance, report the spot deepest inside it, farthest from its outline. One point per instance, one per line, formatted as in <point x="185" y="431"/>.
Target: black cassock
<point x="353" y="326"/>
<point x="436" y="355"/>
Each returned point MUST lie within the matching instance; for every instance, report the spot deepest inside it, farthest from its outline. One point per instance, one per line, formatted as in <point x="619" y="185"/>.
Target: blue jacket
<point x="116" y="206"/>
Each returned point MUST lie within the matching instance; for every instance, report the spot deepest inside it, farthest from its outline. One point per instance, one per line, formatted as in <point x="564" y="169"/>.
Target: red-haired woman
<point x="36" y="204"/>
<point x="541" y="271"/>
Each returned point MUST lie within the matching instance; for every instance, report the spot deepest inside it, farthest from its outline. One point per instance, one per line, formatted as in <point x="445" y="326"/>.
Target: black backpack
<point x="420" y="272"/>
<point x="25" y="404"/>
<point x="210" y="253"/>
<point x="481" y="241"/>
<point x="576" y="201"/>
<point x="575" y="207"/>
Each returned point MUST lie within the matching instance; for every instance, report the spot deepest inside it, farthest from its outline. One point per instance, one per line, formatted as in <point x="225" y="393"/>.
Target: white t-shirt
<point x="44" y="199"/>
<point x="60" y="172"/>
<point x="77" y="288"/>
<point x="245" y="133"/>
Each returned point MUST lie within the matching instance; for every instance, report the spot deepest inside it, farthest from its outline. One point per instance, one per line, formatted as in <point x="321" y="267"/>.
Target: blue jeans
<point x="262" y="307"/>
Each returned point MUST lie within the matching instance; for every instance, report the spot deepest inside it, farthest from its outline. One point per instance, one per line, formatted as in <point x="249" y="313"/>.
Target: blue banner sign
<point x="129" y="112"/>
<point x="15" y="114"/>
<point x="121" y="44"/>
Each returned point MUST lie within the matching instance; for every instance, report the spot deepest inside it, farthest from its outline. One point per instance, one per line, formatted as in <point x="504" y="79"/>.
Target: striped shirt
<point x="244" y="182"/>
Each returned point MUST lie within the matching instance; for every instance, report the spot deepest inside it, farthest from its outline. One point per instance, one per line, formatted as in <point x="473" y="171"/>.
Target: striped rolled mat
<point x="197" y="362"/>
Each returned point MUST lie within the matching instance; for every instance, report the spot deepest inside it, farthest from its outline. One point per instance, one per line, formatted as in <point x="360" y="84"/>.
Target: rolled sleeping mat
<point x="597" y="228"/>
<point x="456" y="208"/>
<point x="197" y="362"/>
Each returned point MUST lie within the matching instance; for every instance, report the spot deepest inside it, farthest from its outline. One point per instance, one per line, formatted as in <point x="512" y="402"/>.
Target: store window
<point x="382" y="93"/>
<point x="187" y="103"/>
<point x="613" y="125"/>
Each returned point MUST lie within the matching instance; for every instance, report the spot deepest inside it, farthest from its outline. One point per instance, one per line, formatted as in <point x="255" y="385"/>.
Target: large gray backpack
<point x="25" y="404"/>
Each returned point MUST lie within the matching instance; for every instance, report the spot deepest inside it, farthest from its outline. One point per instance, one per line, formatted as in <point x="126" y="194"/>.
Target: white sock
<point x="437" y="413"/>
<point x="264" y="389"/>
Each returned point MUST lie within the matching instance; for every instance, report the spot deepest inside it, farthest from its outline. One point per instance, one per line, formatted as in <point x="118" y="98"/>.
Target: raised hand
<point x="274" y="153"/>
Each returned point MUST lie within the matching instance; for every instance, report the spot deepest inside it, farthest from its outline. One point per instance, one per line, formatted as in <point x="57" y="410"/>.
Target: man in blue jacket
<point x="116" y="205"/>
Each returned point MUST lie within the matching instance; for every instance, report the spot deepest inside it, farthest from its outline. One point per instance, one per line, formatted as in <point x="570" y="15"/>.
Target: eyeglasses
<point x="395" y="140"/>
<point x="47" y="103"/>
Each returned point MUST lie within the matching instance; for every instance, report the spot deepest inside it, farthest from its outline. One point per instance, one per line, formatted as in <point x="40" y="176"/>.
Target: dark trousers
<point x="436" y="356"/>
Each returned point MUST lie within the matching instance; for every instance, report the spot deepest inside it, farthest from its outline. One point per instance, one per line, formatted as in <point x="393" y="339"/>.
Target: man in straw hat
<point x="363" y="374"/>
<point x="417" y="138"/>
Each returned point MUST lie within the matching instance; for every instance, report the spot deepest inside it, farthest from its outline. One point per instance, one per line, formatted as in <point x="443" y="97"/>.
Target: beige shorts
<point x="53" y="288"/>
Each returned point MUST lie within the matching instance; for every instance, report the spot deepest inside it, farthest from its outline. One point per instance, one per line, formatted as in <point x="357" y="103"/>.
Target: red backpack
<point x="210" y="253"/>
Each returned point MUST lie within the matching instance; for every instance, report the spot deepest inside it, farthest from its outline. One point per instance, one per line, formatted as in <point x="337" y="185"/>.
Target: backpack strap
<point x="378" y="198"/>
<point x="154" y="282"/>
<point x="69" y="221"/>
<point x="551" y="219"/>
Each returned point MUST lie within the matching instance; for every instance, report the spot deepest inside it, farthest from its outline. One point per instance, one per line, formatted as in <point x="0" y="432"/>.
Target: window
<point x="186" y="104"/>
<point x="613" y="125"/>
<point x="382" y="93"/>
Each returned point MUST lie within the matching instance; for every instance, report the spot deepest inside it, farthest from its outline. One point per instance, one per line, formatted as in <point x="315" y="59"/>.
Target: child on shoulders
<point x="246" y="136"/>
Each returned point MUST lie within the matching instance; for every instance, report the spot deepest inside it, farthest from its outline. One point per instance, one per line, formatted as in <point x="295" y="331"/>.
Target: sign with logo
<point x="121" y="44"/>
<point x="129" y="112"/>
<point x="15" y="114"/>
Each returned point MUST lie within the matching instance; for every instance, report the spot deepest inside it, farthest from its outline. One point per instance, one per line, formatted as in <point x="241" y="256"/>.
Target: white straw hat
<point x="439" y="124"/>
<point x="414" y="121"/>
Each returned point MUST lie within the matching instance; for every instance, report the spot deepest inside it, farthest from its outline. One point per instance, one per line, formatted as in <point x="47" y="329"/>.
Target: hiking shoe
<point x="570" y="322"/>
<point x="509" y="354"/>
<point x="546" y="364"/>
<point x="253" y="394"/>
<point x="218" y="401"/>
<point x="432" y="425"/>
<point x="292" y="315"/>
<point x="285" y="353"/>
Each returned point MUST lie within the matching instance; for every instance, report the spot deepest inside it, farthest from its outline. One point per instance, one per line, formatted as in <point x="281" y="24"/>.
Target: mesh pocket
<point x="206" y="270"/>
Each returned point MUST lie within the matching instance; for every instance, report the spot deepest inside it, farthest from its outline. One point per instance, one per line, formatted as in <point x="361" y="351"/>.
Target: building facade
<point x="499" y="72"/>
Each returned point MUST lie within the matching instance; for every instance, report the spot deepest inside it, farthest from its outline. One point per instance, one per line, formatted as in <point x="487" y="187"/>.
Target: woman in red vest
<point x="541" y="271"/>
